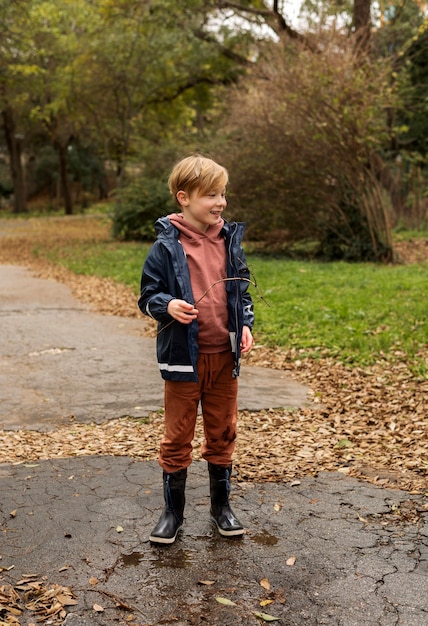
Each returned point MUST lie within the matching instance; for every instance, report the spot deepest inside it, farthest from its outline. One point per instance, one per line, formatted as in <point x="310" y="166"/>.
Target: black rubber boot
<point x="166" y="529"/>
<point x="221" y="514"/>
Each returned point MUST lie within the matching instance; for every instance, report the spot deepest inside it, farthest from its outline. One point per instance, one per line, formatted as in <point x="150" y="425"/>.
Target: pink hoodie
<point x="206" y="257"/>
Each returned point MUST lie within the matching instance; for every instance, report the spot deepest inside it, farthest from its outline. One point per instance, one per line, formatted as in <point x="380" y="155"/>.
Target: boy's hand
<point x="246" y="340"/>
<point x="182" y="311"/>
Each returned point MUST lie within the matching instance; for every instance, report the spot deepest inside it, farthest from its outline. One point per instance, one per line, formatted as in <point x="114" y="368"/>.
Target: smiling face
<point x="198" y="185"/>
<point x="203" y="210"/>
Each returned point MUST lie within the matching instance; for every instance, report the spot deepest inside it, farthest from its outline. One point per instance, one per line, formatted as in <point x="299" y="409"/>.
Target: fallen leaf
<point x="344" y="443"/>
<point x="291" y="560"/>
<point x="66" y="600"/>
<point x="265" y="602"/>
<point x="46" y="601"/>
<point x="265" y="584"/>
<point x="98" y="608"/>
<point x="207" y="582"/>
<point x="266" y="617"/>
<point x="225" y="601"/>
<point x="26" y="578"/>
<point x="14" y="611"/>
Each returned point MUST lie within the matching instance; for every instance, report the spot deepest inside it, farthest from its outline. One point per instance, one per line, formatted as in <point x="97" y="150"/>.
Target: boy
<point x="194" y="283"/>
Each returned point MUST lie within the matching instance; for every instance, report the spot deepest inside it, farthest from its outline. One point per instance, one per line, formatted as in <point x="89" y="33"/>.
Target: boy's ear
<point x="182" y="198"/>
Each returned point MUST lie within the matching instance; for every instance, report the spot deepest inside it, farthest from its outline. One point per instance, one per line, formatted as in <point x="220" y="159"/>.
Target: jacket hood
<point x="192" y="232"/>
<point x="164" y="225"/>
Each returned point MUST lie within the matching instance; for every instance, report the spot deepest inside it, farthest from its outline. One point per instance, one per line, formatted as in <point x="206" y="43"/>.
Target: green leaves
<point x="115" y="76"/>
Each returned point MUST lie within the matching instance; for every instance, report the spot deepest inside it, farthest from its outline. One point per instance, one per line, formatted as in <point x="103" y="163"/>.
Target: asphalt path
<point x="60" y="359"/>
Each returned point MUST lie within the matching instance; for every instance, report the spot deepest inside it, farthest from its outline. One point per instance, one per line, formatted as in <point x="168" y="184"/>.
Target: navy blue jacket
<point x="166" y="276"/>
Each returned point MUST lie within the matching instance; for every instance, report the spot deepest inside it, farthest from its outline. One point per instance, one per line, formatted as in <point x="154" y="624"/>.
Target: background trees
<point x="323" y="126"/>
<point x="102" y="75"/>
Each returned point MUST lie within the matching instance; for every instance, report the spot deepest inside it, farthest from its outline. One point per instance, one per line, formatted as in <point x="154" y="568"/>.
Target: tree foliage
<point x="334" y="112"/>
<point x="142" y="201"/>
<point x="402" y="39"/>
<point x="415" y="114"/>
<point x="104" y="73"/>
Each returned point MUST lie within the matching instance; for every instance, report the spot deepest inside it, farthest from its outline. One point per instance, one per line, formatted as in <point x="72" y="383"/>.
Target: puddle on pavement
<point x="264" y="539"/>
<point x="132" y="559"/>
<point x="179" y="559"/>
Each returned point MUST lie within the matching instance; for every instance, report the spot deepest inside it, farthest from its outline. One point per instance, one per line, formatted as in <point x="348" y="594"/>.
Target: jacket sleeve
<point x="155" y="293"/>
<point x="247" y="301"/>
<point x="248" y="310"/>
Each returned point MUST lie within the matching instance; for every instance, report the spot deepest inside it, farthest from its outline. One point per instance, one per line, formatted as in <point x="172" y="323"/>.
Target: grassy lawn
<point x="359" y="313"/>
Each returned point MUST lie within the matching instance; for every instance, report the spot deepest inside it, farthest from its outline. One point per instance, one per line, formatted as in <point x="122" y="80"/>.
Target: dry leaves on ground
<point x="370" y="422"/>
<point x="44" y="601"/>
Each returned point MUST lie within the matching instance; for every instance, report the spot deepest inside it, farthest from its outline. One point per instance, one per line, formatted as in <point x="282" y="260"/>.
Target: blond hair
<point x="197" y="173"/>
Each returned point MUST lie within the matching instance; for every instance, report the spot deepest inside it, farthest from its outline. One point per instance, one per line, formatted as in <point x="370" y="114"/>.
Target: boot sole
<point x="228" y="533"/>
<point x="163" y="540"/>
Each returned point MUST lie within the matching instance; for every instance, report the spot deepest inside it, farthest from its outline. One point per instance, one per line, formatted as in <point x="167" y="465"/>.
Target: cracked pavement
<point x="328" y="550"/>
<point x="357" y="562"/>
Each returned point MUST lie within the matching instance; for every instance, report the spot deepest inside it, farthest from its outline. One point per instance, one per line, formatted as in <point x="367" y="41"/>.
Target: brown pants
<point x="217" y="391"/>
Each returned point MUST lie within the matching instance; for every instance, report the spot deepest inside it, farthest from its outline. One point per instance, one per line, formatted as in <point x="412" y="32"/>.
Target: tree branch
<point x="227" y="52"/>
<point x="279" y="25"/>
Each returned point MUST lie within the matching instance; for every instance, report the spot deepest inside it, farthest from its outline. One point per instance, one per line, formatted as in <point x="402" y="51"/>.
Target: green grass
<point x="121" y="261"/>
<point x="359" y="313"/>
<point x="404" y="234"/>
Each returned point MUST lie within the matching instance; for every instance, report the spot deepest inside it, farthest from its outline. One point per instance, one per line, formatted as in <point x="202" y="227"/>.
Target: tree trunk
<point x="13" y="142"/>
<point x="362" y="24"/>
<point x="65" y="185"/>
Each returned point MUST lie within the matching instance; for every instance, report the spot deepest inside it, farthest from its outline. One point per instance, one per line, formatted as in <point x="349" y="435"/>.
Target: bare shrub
<point x="302" y="129"/>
